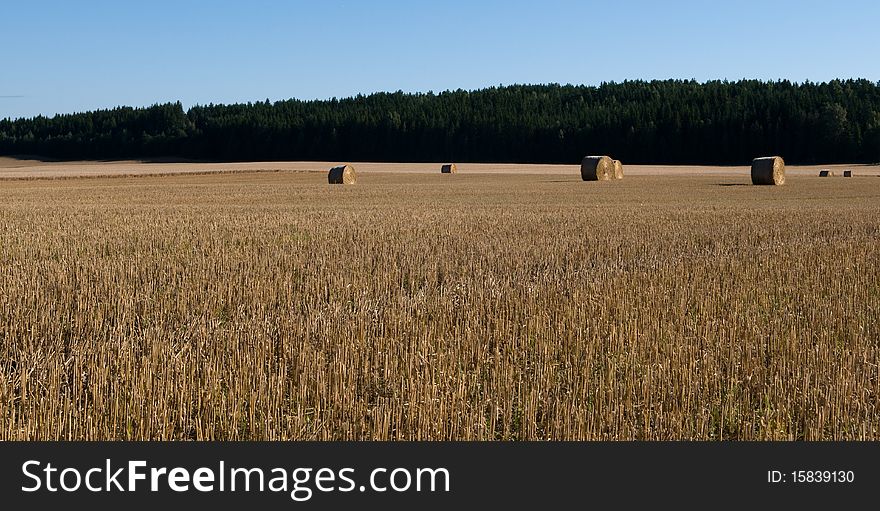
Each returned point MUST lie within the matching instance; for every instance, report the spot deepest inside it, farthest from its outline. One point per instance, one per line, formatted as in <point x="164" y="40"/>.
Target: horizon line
<point x="438" y="92"/>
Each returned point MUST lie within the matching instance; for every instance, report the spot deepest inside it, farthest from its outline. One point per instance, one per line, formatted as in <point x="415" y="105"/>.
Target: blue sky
<point x="65" y="56"/>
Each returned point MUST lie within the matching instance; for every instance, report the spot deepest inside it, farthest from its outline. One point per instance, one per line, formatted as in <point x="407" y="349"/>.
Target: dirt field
<point x="11" y="168"/>
<point x="484" y="305"/>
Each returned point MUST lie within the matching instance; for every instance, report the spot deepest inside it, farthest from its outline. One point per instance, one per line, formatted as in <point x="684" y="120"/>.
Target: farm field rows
<point x="490" y="305"/>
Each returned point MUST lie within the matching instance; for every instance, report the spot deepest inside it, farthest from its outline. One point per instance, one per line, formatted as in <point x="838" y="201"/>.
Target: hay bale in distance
<point x="597" y="168"/>
<point x="826" y="173"/>
<point x="847" y="173"/>
<point x="342" y="175"/>
<point x="618" y="169"/>
<point x="449" y="168"/>
<point x="769" y="170"/>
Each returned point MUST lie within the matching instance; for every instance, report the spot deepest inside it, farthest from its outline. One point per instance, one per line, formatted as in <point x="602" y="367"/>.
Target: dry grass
<point x="12" y="168"/>
<point x="275" y="306"/>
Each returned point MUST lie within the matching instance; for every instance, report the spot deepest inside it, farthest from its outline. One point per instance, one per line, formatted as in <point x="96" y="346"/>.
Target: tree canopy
<point x="671" y="121"/>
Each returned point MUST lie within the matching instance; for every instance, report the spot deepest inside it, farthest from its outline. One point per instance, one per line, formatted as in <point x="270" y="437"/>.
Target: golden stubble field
<point x="416" y="306"/>
<point x="24" y="168"/>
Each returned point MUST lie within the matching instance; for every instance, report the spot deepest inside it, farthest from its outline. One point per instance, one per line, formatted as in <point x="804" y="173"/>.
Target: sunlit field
<point x="483" y="306"/>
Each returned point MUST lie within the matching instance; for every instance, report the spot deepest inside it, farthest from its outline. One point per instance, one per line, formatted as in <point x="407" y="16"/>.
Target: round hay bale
<point x="597" y="168"/>
<point x="847" y="173"/>
<point x="826" y="173"/>
<point x="618" y="169"/>
<point x="768" y="171"/>
<point x="449" y="168"/>
<point x="342" y="175"/>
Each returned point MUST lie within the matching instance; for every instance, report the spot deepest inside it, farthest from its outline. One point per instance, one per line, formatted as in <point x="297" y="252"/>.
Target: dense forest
<point x="673" y="121"/>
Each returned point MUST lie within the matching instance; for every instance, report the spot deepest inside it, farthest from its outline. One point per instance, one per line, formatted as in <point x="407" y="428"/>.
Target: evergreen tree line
<point x="672" y="122"/>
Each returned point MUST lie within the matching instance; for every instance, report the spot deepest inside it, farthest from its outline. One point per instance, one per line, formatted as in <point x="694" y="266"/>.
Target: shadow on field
<point x="734" y="184"/>
<point x="148" y="159"/>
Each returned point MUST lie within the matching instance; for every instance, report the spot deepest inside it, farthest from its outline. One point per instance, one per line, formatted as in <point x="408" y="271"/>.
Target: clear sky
<point x="66" y="56"/>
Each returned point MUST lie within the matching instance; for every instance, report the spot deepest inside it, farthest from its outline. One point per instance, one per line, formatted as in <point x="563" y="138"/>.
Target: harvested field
<point x="11" y="168"/>
<point x="410" y="306"/>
